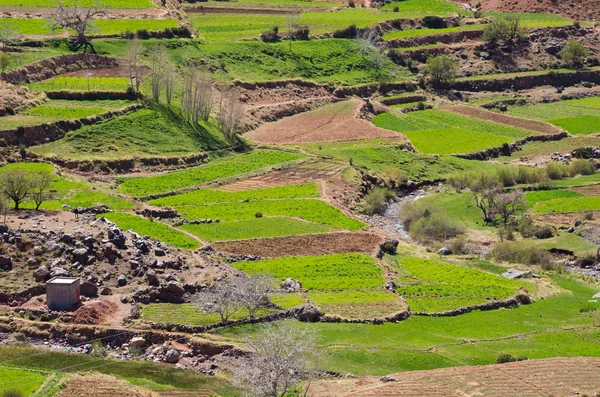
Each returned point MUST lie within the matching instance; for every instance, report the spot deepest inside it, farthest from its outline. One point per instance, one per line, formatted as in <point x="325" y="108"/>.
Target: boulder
<point x="116" y="236"/>
<point x="5" y="262"/>
<point x="59" y="272"/>
<point x="31" y="262"/>
<point x="111" y="251"/>
<point x="307" y="313"/>
<point x="159" y="252"/>
<point x="122" y="280"/>
<point x="290" y="285"/>
<point x="553" y="49"/>
<point x="152" y="278"/>
<point x="444" y="251"/>
<point x="172" y="356"/>
<point x="175" y="287"/>
<point x="67" y="239"/>
<point x="106" y="291"/>
<point x="41" y="274"/>
<point x="80" y="255"/>
<point x="88" y="289"/>
<point x="137" y="343"/>
<point x="515" y="274"/>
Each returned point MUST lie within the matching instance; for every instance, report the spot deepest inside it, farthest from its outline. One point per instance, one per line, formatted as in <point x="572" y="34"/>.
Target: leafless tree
<point x="134" y="52"/>
<point x="291" y="24"/>
<point x="40" y="188"/>
<point x="15" y="184"/>
<point x="253" y="292"/>
<point x="280" y="359"/>
<point x="484" y="188"/>
<point x="222" y="299"/>
<point x="367" y="42"/>
<point x="230" y="113"/>
<point x="170" y="82"/>
<point x="79" y="19"/>
<point x="158" y="57"/>
<point x="507" y="204"/>
<point x="196" y="96"/>
<point x="8" y="35"/>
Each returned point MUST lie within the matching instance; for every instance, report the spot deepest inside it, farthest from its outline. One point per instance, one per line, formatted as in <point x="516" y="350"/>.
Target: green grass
<point x="581" y="180"/>
<point x="316" y="211"/>
<point x="82" y="3"/>
<point x="30" y="55"/>
<point x="440" y="132"/>
<point x="81" y="84"/>
<point x="152" y="229"/>
<point x="326" y="272"/>
<point x="39" y="26"/>
<point x="20" y="380"/>
<point x="356" y="303"/>
<point x="401" y="34"/>
<point x="155" y="375"/>
<point x="29" y="26"/>
<point x="534" y="20"/>
<point x="59" y="184"/>
<point x="581" y="125"/>
<point x="145" y="133"/>
<point x="567" y="205"/>
<point x="564" y="145"/>
<point x="255" y="228"/>
<point x="422" y="8"/>
<point x="211" y="172"/>
<point x="188" y="314"/>
<point x="426" y="280"/>
<point x="569" y="242"/>
<point x="534" y="197"/>
<point x="212" y="196"/>
<point x="459" y="206"/>
<point x="287" y="301"/>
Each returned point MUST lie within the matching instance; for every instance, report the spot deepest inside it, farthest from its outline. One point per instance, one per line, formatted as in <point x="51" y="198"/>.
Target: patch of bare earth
<point x="332" y="123"/>
<point x="97" y="385"/>
<point x="532" y="378"/>
<point x="576" y="9"/>
<point x="315" y="244"/>
<point x="590" y="190"/>
<point x="482" y="114"/>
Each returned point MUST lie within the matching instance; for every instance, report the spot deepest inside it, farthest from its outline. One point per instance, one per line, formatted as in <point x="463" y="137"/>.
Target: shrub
<point x="351" y="4"/>
<point x="588" y="216"/>
<point x="375" y="201"/>
<point x="12" y="393"/>
<point x="258" y="215"/>
<point x="574" y="53"/>
<point x="459" y="245"/>
<point x="271" y="35"/>
<point x="347" y="33"/>
<point x="506" y="176"/>
<point x="4" y="61"/>
<point x="396" y="9"/>
<point x="393" y="174"/>
<point x="509" y="358"/>
<point x="557" y="171"/>
<point x="459" y="182"/>
<point x="441" y="69"/>
<point x="503" y="29"/>
<point x="582" y="167"/>
<point x="515" y="253"/>
<point x="436" y="227"/>
<point x="434" y="22"/>
<point x="411" y="213"/>
<point x="527" y="175"/>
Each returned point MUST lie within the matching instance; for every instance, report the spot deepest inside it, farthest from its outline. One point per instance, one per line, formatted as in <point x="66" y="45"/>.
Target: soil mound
<point x="95" y="312"/>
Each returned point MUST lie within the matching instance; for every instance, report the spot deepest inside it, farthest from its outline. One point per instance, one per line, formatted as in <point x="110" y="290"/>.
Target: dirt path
<point x="482" y="114"/>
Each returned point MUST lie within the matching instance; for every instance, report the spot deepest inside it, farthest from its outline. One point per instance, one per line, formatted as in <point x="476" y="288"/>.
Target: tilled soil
<point x="531" y="378"/>
<point x="315" y="244"/>
<point x="97" y="385"/>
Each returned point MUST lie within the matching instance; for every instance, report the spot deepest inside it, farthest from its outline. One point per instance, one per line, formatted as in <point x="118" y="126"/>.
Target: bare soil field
<point x="576" y="9"/>
<point x="482" y="114"/>
<point x="532" y="378"/>
<point x="97" y="385"/>
<point x="291" y="176"/>
<point x="315" y="244"/>
<point x="332" y="123"/>
<point x="590" y="190"/>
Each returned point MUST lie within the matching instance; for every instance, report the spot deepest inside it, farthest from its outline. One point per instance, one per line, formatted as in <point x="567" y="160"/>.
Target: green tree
<point x="574" y="54"/>
<point x="442" y="69"/>
<point x="4" y="61"/>
<point x="503" y="29"/>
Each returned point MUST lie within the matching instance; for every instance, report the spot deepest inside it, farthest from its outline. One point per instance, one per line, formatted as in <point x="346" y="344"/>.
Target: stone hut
<point x="62" y="293"/>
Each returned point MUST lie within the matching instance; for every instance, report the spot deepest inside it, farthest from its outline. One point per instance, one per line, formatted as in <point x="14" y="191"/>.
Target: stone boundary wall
<point x="527" y="82"/>
<point x="509" y="303"/>
<point x="22" y="296"/>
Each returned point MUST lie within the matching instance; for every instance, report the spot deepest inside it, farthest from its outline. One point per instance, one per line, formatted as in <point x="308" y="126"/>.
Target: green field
<point x="152" y="229"/>
<point x="81" y="84"/>
<point x="212" y="196"/>
<point x="188" y="314"/>
<point x="440" y="132"/>
<point x="458" y="206"/>
<point x="564" y="145"/>
<point x="422" y="8"/>
<point x="145" y="133"/>
<point x="401" y="34"/>
<point x="423" y="281"/>
<point x="38" y="26"/>
<point x="20" y="380"/>
<point x="534" y="197"/>
<point x="356" y="303"/>
<point x="213" y="171"/>
<point x="59" y="184"/>
<point x="255" y="228"/>
<point x="316" y="211"/>
<point x="82" y="3"/>
<point x="567" y="205"/>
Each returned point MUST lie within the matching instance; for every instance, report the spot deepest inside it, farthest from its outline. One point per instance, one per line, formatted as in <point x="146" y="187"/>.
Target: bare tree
<point x="367" y="42"/>
<point x="15" y="184"/>
<point x="280" y="359"/>
<point x="79" y="19"/>
<point x="230" y="113"/>
<point x="158" y="57"/>
<point x="40" y="188"/>
<point x="196" y="96"/>
<point x="484" y="188"/>
<point x="507" y="204"/>
<point x="8" y="35"/>
<point x="134" y="52"/>
<point x="170" y="82"/>
<point x="253" y="292"/>
<point x="222" y="299"/>
<point x="291" y="24"/>
<point x="3" y="205"/>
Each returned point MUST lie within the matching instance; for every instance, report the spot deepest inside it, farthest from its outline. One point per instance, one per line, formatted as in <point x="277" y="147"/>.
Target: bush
<point x="507" y="177"/>
<point x="543" y="232"/>
<point x="582" y="167"/>
<point x="258" y="215"/>
<point x="271" y="35"/>
<point x="12" y="393"/>
<point x="436" y="227"/>
<point x="459" y="182"/>
<point x="557" y="171"/>
<point x="459" y="245"/>
<point x="527" y="175"/>
<point x="515" y="253"/>
<point x="504" y="29"/>
<point x="393" y="174"/>
<point x="588" y="216"/>
<point x="434" y="22"/>
<point x="347" y="33"/>
<point x="574" y="53"/>
<point x="396" y="9"/>
<point x="509" y="358"/>
<point x="441" y="69"/>
<point x="411" y="213"/>
<point x="300" y="33"/>
<point x="375" y="201"/>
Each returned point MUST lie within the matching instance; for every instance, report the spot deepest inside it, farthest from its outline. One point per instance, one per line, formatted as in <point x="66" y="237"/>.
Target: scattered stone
<point x="307" y="313"/>
<point x="290" y="285"/>
<point x="88" y="289"/>
<point x="137" y="343"/>
<point x="41" y="274"/>
<point x="175" y="287"/>
<point x="515" y="274"/>
<point x="5" y="263"/>
<point x="122" y="280"/>
<point x="152" y="278"/>
<point x="80" y="255"/>
<point x="172" y="356"/>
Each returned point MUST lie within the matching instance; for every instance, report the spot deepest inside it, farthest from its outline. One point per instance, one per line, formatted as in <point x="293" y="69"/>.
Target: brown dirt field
<point x="482" y="114"/>
<point x="291" y="176"/>
<point x="565" y="219"/>
<point x="94" y="312"/>
<point x="590" y="190"/>
<point x="314" y="244"/>
<point x="331" y="123"/>
<point x="533" y="378"/>
<point x="97" y="385"/>
<point x="576" y="9"/>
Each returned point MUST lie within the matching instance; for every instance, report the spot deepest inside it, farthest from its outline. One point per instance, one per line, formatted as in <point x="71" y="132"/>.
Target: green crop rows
<point x="38" y="26"/>
<point x="20" y="381"/>
<point x="82" y="84"/>
<point x="255" y="228"/>
<point x="210" y="172"/>
<point x="152" y="229"/>
<point x="188" y="314"/>
<point x="81" y="3"/>
<point x="566" y="205"/>
<point x="356" y="303"/>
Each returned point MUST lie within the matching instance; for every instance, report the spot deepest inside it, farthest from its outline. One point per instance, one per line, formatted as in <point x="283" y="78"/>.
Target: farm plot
<point x="211" y="172"/>
<point x="144" y="133"/>
<point x="255" y="229"/>
<point x="422" y="8"/>
<point x="319" y="244"/>
<point x="60" y="185"/>
<point x="74" y="83"/>
<point x="401" y="34"/>
<point x="567" y="205"/>
<point x="312" y="210"/>
<point x="331" y="123"/>
<point x="155" y="230"/>
<point x="346" y="285"/>
<point x="439" y="132"/>
<point x="577" y="116"/>
<point x="188" y="314"/>
<point x="82" y="3"/>
<point x="40" y="26"/>
<point x="20" y="381"/>
<point x="422" y="282"/>
<point x="534" y="197"/>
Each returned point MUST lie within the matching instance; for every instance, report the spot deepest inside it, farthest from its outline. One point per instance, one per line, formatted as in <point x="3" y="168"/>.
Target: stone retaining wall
<point x="527" y="82"/>
<point x="22" y="296"/>
<point x="509" y="303"/>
